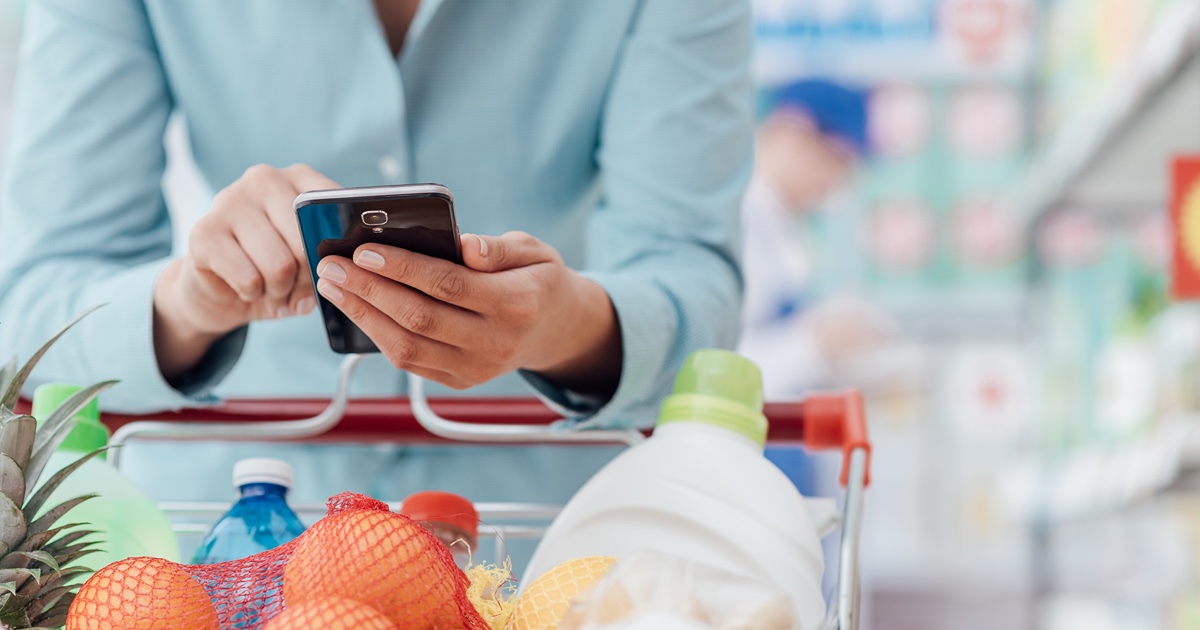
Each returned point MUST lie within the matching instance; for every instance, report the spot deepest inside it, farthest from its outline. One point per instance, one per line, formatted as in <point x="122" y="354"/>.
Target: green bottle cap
<point x="719" y="388"/>
<point x="88" y="435"/>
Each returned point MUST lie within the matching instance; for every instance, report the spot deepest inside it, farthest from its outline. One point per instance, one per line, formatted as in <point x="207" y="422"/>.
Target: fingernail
<point x="332" y="272"/>
<point x="306" y="305"/>
<point x="282" y="312"/>
<point x="369" y="259"/>
<point x="482" y="246"/>
<point x="331" y="292"/>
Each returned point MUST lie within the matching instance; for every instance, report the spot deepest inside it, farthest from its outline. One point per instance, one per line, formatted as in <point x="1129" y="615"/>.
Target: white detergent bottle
<point x="700" y="488"/>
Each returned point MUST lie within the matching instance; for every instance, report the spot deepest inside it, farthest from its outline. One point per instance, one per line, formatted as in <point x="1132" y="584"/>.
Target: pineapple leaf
<point x="47" y="598"/>
<point x="13" y="391"/>
<point x="7" y="373"/>
<point x="53" y="580"/>
<point x="58" y="577"/>
<point x="39" y="498"/>
<point x="36" y="542"/>
<point x="12" y="478"/>
<point x="69" y="558"/>
<point x="62" y="552"/>
<point x="65" y="413"/>
<point x="56" y="616"/>
<point x="11" y="587"/>
<point x="12" y="612"/>
<point x="17" y="434"/>
<point x="39" y="556"/>
<point x="19" y="576"/>
<point x="56" y="428"/>
<point x="67" y="540"/>
<point x="12" y="523"/>
<point x="47" y="520"/>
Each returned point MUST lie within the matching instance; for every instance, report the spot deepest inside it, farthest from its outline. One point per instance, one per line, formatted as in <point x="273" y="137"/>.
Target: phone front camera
<point x="372" y="218"/>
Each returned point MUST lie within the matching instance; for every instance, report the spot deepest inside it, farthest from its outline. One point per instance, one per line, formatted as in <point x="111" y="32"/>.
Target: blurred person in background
<point x="616" y="135"/>
<point x="808" y="148"/>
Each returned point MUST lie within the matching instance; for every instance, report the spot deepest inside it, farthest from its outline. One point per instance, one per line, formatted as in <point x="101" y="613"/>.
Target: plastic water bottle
<point x="452" y="518"/>
<point x="126" y="520"/>
<point x="699" y="488"/>
<point x="261" y="518"/>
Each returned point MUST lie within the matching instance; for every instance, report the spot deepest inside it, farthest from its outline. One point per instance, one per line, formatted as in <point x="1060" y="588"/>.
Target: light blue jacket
<point x="619" y="131"/>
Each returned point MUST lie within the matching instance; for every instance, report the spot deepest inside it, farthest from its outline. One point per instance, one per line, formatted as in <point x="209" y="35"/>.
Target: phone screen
<point x="422" y="223"/>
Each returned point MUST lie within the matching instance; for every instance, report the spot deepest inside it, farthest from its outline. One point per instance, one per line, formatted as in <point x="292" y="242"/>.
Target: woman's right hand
<point x="245" y="262"/>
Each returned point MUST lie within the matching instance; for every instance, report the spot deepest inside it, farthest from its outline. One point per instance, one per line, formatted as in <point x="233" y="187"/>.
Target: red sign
<point x="1185" y="224"/>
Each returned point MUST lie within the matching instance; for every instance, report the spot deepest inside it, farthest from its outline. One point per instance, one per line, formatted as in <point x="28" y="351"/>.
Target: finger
<point x="305" y="178"/>
<point x="508" y="251"/>
<point x="302" y="300"/>
<point x="412" y="310"/>
<point x="405" y="350"/>
<point x="272" y="257"/>
<point x="222" y="255"/>
<point x="275" y="191"/>
<point x="440" y="279"/>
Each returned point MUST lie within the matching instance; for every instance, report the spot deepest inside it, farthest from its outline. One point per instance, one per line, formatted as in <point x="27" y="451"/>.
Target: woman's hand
<point x="514" y="304"/>
<point x="245" y="262"/>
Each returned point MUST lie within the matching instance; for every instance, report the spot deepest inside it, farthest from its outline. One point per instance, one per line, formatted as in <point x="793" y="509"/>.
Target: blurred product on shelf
<point x="452" y="518"/>
<point x="127" y="521"/>
<point x="700" y="489"/>
<point x="260" y="519"/>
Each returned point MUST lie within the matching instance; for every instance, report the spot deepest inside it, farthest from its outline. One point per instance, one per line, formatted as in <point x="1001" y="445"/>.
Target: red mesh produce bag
<point x="360" y="552"/>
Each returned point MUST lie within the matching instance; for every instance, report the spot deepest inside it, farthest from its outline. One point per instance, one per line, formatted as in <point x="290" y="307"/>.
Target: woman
<point x="617" y="134"/>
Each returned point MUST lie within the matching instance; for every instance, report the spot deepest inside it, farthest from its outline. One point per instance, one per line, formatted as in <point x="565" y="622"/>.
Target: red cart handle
<point x="820" y="422"/>
<point x="837" y="421"/>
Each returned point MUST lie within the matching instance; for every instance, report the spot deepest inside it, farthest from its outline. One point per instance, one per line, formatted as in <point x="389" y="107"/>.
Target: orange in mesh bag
<point x="360" y="552"/>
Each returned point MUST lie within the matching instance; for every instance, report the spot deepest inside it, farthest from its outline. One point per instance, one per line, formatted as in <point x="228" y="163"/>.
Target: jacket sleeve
<point x="676" y="152"/>
<point x="81" y="204"/>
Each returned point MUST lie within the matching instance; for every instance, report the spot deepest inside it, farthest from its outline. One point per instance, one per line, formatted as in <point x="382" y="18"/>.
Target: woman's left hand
<point x="513" y="304"/>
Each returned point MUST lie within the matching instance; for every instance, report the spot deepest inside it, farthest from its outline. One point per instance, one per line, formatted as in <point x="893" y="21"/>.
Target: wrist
<point x="585" y="352"/>
<point x="179" y="341"/>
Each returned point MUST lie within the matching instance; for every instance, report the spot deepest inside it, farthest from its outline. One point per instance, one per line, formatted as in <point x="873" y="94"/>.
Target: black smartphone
<point x="416" y="217"/>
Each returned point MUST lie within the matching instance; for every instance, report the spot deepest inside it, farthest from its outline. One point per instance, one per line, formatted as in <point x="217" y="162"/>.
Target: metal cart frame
<point x="819" y="422"/>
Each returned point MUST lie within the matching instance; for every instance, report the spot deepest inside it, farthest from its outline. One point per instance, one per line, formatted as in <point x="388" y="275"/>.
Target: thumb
<point x="511" y="250"/>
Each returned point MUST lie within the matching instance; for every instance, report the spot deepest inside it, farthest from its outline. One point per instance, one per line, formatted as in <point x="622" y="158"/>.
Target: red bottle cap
<point x="443" y="507"/>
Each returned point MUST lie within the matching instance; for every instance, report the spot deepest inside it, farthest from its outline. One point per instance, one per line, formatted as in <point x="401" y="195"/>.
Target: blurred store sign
<point x="872" y="40"/>
<point x="1185" y="219"/>
<point x="987" y="32"/>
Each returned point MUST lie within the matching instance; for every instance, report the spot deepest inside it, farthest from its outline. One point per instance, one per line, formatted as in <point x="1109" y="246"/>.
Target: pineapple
<point x="36" y="553"/>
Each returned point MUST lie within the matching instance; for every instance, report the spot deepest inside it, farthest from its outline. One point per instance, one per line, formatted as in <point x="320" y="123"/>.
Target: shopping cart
<point x="820" y="422"/>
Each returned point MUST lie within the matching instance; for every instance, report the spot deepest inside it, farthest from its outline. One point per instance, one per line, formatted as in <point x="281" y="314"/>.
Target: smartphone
<point x="416" y="217"/>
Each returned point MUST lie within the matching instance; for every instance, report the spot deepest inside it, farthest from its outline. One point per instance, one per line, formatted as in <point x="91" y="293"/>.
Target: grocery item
<point x="544" y="602"/>
<point x="359" y="552"/>
<point x="491" y="592"/>
<point x="650" y="583"/>
<point x="379" y="558"/>
<point x="40" y="556"/>
<point x="127" y="521"/>
<point x="261" y="518"/>
<point x="451" y="518"/>
<point x="333" y="613"/>
<point x="140" y="593"/>
<point x="700" y="488"/>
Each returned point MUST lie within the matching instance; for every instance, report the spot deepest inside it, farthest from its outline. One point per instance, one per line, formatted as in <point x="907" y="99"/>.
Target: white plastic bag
<point x="667" y="591"/>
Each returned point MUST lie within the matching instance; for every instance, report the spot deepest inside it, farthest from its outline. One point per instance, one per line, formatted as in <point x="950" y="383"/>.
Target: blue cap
<point x="837" y="111"/>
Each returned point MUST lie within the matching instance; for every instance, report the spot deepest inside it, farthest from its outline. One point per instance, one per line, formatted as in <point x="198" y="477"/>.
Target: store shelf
<point x="1112" y="154"/>
<point x="1095" y="480"/>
